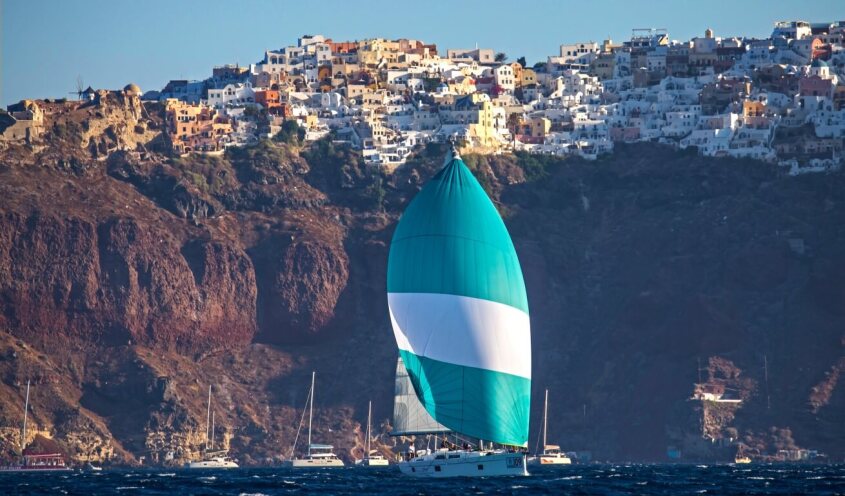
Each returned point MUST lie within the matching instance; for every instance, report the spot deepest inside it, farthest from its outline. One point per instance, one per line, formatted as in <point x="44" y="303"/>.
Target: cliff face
<point x="130" y="281"/>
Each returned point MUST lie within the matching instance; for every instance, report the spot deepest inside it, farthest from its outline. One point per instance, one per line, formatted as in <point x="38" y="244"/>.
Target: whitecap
<point x="167" y="474"/>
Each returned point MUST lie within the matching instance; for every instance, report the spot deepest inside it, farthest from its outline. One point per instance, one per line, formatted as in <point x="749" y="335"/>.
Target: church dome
<point x="132" y="89"/>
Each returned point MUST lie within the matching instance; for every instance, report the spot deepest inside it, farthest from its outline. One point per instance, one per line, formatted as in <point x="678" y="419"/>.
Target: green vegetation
<point x="291" y="133"/>
<point x="377" y="192"/>
<point x="536" y="166"/>
<point x="479" y="165"/>
<point x="430" y="84"/>
<point x="207" y="173"/>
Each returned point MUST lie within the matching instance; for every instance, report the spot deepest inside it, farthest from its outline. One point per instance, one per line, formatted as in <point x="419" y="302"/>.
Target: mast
<point x="212" y="431"/>
<point x="311" y="412"/>
<point x="25" y="412"/>
<point x="545" y="419"/>
<point x="208" y="417"/>
<point x="369" y="419"/>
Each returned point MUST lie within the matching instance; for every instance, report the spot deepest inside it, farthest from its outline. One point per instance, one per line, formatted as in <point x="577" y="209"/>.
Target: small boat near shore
<point x="35" y="462"/>
<point x="212" y="459"/>
<point x="371" y="457"/>
<point x="318" y="455"/>
<point x="551" y="454"/>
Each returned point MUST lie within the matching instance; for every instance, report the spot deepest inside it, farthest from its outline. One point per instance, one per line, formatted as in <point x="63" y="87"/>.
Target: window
<point x="480" y="466"/>
<point x="437" y="468"/>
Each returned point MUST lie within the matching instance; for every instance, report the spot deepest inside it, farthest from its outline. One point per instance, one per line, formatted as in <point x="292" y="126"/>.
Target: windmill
<point x="80" y="88"/>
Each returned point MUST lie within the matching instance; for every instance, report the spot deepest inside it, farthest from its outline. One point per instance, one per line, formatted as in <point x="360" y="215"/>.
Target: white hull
<point x="372" y="462"/>
<point x="211" y="464"/>
<point x="315" y="463"/>
<point x="33" y="469"/>
<point x="465" y="464"/>
<point x="547" y="460"/>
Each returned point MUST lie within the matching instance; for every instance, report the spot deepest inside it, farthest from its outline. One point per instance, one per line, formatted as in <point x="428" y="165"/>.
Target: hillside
<point x="130" y="280"/>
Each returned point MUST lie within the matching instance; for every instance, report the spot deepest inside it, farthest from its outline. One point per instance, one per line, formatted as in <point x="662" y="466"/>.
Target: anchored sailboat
<point x="372" y="458"/>
<point x="319" y="455"/>
<point x="551" y="454"/>
<point x="459" y="313"/>
<point x="211" y="458"/>
<point x="32" y="462"/>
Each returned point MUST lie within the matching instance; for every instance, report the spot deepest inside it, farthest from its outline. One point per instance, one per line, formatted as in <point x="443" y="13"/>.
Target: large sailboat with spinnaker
<point x="459" y="314"/>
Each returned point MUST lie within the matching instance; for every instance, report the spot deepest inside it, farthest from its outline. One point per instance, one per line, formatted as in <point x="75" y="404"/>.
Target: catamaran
<point x="319" y="455"/>
<point x="372" y="458"/>
<point x="35" y="462"/>
<point x="459" y="314"/>
<point x="212" y="458"/>
<point x="551" y="454"/>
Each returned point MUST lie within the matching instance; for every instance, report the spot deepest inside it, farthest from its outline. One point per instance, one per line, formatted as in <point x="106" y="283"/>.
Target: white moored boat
<point x="551" y="454"/>
<point x="35" y="462"/>
<point x="318" y="455"/>
<point x="459" y="313"/>
<point x="212" y="458"/>
<point x="371" y="457"/>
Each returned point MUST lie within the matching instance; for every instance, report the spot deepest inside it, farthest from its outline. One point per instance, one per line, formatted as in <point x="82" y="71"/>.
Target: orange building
<point x="750" y="108"/>
<point x="196" y="128"/>
<point x="343" y="46"/>
<point x="268" y="98"/>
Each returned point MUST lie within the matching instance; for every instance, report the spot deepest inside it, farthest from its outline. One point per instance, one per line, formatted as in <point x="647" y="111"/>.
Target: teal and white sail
<point x="459" y="309"/>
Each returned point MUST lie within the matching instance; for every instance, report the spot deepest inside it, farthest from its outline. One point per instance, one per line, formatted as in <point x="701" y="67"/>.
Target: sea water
<point x="757" y="479"/>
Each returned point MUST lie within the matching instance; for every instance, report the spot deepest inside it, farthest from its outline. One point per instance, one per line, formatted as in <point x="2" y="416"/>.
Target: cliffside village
<point x="779" y="99"/>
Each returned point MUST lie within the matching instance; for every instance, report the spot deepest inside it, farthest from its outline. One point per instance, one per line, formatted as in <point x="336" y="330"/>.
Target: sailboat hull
<point x="211" y="464"/>
<point x="316" y="463"/>
<point x="550" y="460"/>
<point x="466" y="464"/>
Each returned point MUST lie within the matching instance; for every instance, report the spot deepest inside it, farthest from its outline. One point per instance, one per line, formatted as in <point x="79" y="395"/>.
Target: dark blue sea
<point x="572" y="480"/>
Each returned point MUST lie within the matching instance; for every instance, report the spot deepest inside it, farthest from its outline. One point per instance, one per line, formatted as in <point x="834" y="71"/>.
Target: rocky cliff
<point x="130" y="280"/>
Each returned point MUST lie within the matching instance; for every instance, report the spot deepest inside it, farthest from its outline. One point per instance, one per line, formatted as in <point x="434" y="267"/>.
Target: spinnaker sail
<point x="459" y="309"/>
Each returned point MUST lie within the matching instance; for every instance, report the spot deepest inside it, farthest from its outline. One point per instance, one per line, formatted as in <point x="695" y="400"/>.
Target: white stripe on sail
<point x="463" y="331"/>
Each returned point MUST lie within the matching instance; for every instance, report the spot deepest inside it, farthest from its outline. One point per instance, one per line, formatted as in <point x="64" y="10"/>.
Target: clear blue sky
<point x="48" y="43"/>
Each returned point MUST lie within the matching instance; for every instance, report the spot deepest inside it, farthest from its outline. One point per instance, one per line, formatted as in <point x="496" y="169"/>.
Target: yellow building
<point x="528" y="77"/>
<point x="465" y="86"/>
<point x="517" y="73"/>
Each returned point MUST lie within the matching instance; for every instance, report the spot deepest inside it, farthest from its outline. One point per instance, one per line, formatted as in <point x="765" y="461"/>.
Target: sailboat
<point x="371" y="457"/>
<point x="41" y="462"/>
<point x="212" y="458"/>
<point x="459" y="314"/>
<point x="551" y="454"/>
<point x="319" y="455"/>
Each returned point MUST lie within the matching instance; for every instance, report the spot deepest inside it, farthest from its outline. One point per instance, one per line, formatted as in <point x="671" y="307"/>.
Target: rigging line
<point x="299" y="428"/>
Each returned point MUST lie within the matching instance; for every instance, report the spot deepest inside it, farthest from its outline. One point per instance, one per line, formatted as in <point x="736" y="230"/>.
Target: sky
<point x="49" y="44"/>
